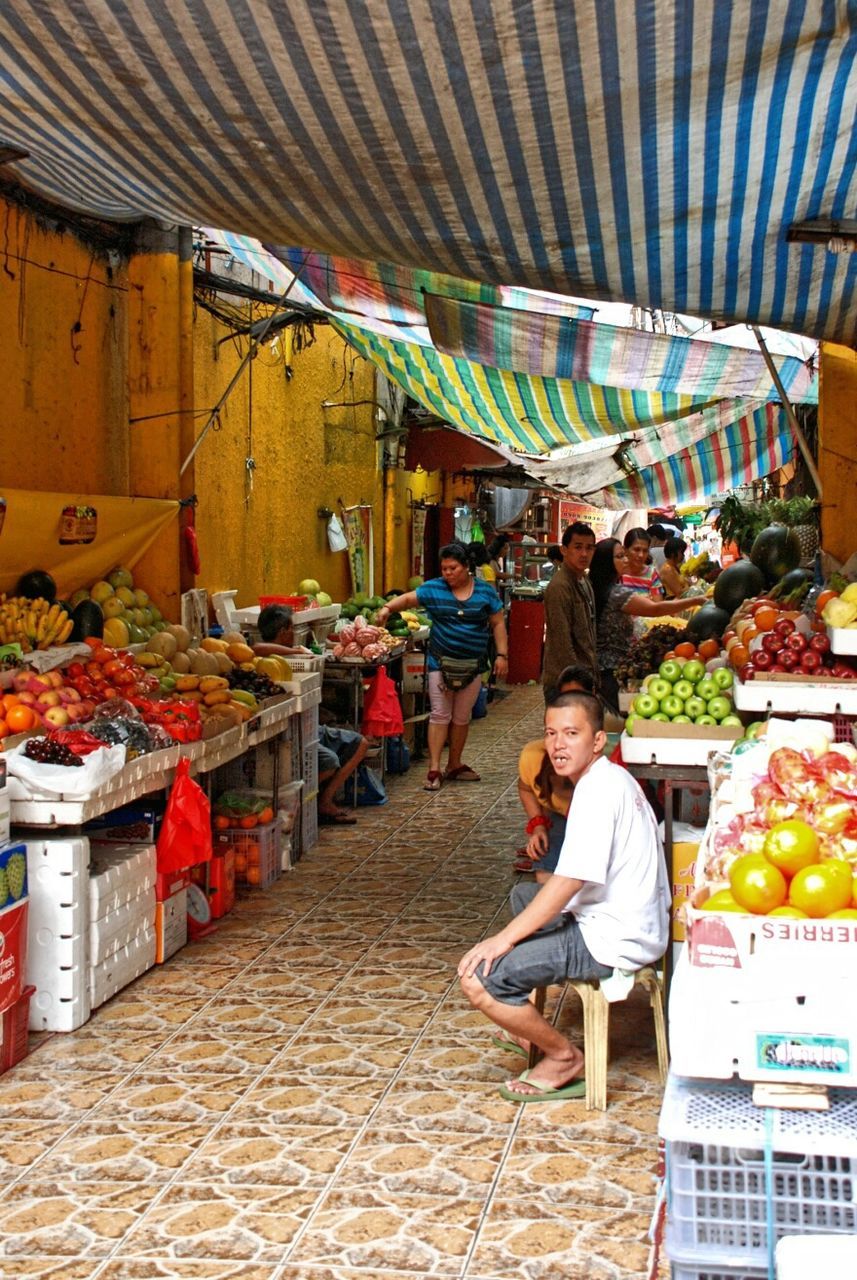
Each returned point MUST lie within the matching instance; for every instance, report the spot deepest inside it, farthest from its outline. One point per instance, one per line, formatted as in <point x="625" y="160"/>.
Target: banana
<point x="242" y="695"/>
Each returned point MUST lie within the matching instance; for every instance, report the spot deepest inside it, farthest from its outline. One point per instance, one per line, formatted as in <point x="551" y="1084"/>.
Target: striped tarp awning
<point x="653" y="152"/>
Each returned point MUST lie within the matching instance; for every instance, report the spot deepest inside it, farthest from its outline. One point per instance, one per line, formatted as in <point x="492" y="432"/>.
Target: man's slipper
<point x="434" y="780"/>
<point x="461" y="773"/>
<point x="336" y="820"/>
<point x="511" y="1046"/>
<point x="573" y="1089"/>
<point x="524" y="866"/>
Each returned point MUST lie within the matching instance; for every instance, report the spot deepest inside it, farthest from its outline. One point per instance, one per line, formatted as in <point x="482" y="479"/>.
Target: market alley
<point x="305" y="1095"/>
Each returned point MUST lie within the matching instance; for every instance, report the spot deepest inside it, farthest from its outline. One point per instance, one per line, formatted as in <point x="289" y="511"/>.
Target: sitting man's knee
<point x="474" y="990"/>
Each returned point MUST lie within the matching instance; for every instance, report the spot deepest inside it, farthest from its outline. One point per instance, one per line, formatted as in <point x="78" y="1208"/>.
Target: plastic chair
<point x="596" y="1032"/>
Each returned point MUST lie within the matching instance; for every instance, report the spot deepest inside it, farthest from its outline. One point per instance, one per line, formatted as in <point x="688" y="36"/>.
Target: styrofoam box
<point x="119" y="873"/>
<point x="843" y="640"/>
<point x="834" y="1257"/>
<point x="670" y="750"/>
<point x="120" y="927"/>
<point x="170" y="926"/>
<point x="798" y="697"/>
<point x="122" y="967"/>
<point x="717" y="1186"/>
<point x="761" y="1033"/>
<point x="59" y="921"/>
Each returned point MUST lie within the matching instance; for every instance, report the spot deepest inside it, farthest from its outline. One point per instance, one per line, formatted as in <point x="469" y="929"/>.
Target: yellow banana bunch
<point x="33" y="624"/>
<point x="694" y="564"/>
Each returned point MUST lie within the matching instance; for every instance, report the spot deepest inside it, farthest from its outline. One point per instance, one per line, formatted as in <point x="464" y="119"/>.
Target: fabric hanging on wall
<point x="118" y="533"/>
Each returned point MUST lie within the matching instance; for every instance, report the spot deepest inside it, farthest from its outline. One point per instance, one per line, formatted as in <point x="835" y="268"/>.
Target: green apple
<point x="719" y="707"/>
<point x="670" y="670"/>
<point x="693" y="670"/>
<point x="754" y="729"/>
<point x="694" y="707"/>
<point x="706" y="688"/>
<point x="630" y="721"/>
<point x="660" y="688"/>
<point x="660" y="717"/>
<point x="682" y="720"/>
<point x="672" y="706"/>
<point x="683" y="689"/>
<point x="723" y="678"/>
<point x="704" y="719"/>
<point x="732" y="722"/>
<point x="644" y="705"/>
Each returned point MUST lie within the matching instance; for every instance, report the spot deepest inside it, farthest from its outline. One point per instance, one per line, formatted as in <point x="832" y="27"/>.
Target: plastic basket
<point x="309" y="725"/>
<point x="289" y="803"/>
<point x="306" y="662"/>
<point x="257" y="853"/>
<point x="293" y="602"/>
<point x="309" y="823"/>
<point x="309" y="767"/>
<point x="711" y="1271"/>
<point x="720" y="1192"/>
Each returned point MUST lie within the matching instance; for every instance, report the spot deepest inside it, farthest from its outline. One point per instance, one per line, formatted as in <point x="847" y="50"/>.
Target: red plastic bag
<point x="185" y="838"/>
<point x="382" y="712"/>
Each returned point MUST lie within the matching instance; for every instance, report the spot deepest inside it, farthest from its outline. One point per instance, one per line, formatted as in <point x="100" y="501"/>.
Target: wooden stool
<point x="596" y="1031"/>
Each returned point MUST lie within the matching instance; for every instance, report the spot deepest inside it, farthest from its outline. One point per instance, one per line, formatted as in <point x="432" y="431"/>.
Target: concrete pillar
<point x="837" y="448"/>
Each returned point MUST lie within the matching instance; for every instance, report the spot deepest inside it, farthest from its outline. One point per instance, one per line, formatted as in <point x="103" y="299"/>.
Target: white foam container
<point x="120" y="873"/>
<point x="798" y="697"/>
<point x="843" y="640"/>
<point x="685" y="751"/>
<point x="57" y="937"/>
<point x="122" y="967"/>
<point x="120" y="927"/>
<point x="170" y="926"/>
<point x="808" y="1035"/>
<point x="834" y="1257"/>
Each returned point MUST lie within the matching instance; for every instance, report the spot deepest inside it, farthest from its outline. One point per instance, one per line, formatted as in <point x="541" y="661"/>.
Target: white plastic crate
<point x="719" y="1192"/>
<point x="711" y="1271"/>
<point x="309" y="724"/>
<point x="301" y="663"/>
<point x="288" y="804"/>
<point x="309" y="822"/>
<point x="834" y="1257"/>
<point x="309" y="766"/>
<point x="58" y="876"/>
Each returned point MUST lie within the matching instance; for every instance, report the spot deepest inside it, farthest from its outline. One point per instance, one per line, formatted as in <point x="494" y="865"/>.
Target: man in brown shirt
<point x="570" y="609"/>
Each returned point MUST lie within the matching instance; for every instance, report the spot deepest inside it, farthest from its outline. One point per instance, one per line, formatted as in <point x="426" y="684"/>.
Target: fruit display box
<point x="735" y="1172"/>
<point x="808" y="1036"/>
<point x="659" y="742"/>
<point x="120" y="927"/>
<point x="170" y="926"/>
<point x="843" y="640"/>
<point x="122" y="967"/>
<point x="796" y="694"/>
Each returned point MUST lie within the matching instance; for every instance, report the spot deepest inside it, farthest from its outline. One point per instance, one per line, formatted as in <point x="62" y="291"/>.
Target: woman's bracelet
<point x="538" y="821"/>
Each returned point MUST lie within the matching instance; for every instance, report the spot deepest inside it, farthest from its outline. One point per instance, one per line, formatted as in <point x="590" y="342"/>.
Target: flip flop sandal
<point x="336" y="820"/>
<point x="573" y="1089"/>
<point x="511" y="1046"/>
<point x="523" y="866"/>
<point x="434" y="780"/>
<point x="461" y="773"/>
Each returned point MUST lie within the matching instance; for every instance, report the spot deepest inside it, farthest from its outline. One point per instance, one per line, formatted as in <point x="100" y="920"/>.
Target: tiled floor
<point x="306" y="1096"/>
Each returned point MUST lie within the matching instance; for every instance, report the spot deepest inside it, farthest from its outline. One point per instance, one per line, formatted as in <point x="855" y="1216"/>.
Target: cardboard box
<point x="660" y="742"/>
<point x="170" y="926"/>
<point x="14" y="1031"/>
<point x="130" y="824"/>
<point x="13" y="874"/>
<point x="686" y="842"/>
<point x="13" y="952"/>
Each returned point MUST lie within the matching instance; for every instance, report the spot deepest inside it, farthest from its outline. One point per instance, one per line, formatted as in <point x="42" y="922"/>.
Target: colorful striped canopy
<point x="654" y="152"/>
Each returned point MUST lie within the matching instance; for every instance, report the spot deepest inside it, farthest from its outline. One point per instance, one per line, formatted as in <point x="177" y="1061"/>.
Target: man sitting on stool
<point x="604" y="908"/>
<point x="340" y="751"/>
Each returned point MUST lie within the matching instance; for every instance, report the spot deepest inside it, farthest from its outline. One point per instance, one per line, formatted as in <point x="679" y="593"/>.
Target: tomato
<point x="722" y="901"/>
<point x="794" y="913"/>
<point x="757" y="885"/>
<point x="791" y="846"/>
<point x="818" y="890"/>
<point x="824" y="598"/>
<point x="73" y="670"/>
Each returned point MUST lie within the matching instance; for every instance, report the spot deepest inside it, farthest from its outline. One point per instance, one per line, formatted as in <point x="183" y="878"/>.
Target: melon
<point x="164" y="644"/>
<point x="736" y="584"/>
<point x="120" y="577"/>
<point x="414" y="582"/>
<point x="182" y="636"/>
<point x="100" y="591"/>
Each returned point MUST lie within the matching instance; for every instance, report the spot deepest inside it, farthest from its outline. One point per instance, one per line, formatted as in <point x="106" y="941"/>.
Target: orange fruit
<point x="221" y="823"/>
<point x="254" y="875"/>
<point x="821" y="889"/>
<point x="709" y="649"/>
<point x="248" y="821"/>
<point x="4" y="729"/>
<point x="266" y="816"/>
<point x="722" y="901"/>
<point x="685" y="650"/>
<point x="240" y="864"/>
<point x="791" y="846"/>
<point x="824" y="598"/>
<point x="793" y="913"/>
<point x="20" y="719"/>
<point x="765" y="618"/>
<point x="10" y="700"/>
<point x="757" y="885"/>
<point x="847" y="913"/>
<point x="739" y="654"/>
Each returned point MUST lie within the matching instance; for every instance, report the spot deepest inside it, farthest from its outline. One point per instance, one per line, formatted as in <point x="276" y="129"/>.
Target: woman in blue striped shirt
<point x="464" y="612"/>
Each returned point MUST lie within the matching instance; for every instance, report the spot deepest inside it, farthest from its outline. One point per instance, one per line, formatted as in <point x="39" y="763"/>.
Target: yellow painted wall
<point x="837" y="451"/>
<point x="63" y="338"/>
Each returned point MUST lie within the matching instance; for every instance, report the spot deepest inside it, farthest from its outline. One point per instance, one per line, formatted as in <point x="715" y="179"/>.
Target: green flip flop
<point x="574" y="1089"/>
<point x="503" y="1042"/>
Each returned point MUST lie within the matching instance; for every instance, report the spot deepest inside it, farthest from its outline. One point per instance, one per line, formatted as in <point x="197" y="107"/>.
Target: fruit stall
<point x="144" y="772"/>
<point x="754" y="703"/>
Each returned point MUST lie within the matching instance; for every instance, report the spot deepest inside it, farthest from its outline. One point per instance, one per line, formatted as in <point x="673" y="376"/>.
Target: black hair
<point x="602" y="573"/>
<point x="577" y="530"/>
<point x="478" y="553"/>
<point x="273" y="619"/>
<point x="588" y="702"/>
<point x="674" y="547"/>
<point x="656" y="531"/>
<point x="497" y="543"/>
<point x="555" y="552"/>
<point x="456" y="551"/>
<point x="571" y="675"/>
<point x="636" y="535"/>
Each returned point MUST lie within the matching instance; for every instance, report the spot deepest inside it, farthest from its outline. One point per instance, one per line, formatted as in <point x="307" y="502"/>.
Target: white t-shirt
<point x="658" y="557"/>
<point x="612" y="844"/>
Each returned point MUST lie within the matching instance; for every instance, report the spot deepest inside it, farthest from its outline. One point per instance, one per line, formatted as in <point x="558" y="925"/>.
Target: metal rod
<point x="790" y="413"/>
<point x="255" y="343"/>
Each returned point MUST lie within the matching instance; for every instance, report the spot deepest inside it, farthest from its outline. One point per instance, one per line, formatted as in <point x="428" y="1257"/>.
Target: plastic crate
<point x="14" y="1036"/>
<point x="309" y="823"/>
<point x="257" y="853"/>
<point x="289" y="803"/>
<point x="307" y="662"/>
<point x="720" y="1192"/>
<point x="309" y="766"/>
<point x="708" y="1271"/>
<point x="309" y="725"/>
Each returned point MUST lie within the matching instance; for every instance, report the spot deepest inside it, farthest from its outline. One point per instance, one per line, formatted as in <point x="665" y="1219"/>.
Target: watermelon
<point x="88" y="620"/>
<point x="776" y="551"/>
<point x="707" y="623"/>
<point x="736" y="584"/>
<point x="37" y="585"/>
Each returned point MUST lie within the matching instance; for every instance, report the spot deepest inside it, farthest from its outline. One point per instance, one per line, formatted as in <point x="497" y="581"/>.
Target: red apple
<point x="49" y="699"/>
<point x="762" y="660"/>
<point x="57" y="717"/>
<point x="797" y="642"/>
<point x="28" y="699"/>
<point x="810" y="661"/>
<point x="788" y="659"/>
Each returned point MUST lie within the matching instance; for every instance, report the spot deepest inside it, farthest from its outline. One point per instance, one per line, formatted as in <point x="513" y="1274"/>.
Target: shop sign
<point x="599" y="519"/>
<point x="78" y="526"/>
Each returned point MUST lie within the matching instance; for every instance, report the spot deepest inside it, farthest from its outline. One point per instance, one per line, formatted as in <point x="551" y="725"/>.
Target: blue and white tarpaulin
<point x="649" y="151"/>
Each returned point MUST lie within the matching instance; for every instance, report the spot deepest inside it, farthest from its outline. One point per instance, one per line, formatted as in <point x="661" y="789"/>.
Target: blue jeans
<point x="556" y="835"/>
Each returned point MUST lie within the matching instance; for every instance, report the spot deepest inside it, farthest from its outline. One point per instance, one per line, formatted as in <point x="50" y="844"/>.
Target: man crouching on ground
<point x="604" y="908"/>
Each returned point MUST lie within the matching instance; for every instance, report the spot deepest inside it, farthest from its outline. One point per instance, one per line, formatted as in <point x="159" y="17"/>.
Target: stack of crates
<point x="740" y="1177"/>
<point x="304" y="765"/>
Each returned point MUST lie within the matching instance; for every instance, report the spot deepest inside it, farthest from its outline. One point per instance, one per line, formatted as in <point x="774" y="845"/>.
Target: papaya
<point x="191" y="695"/>
<point x="209" y="684"/>
<point x="239" y="652"/>
<point x="211" y="644"/>
<point x="184" y="683"/>
<point x="214" y="696"/>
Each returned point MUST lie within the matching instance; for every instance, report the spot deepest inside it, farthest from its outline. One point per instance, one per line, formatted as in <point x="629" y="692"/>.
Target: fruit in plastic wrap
<point x="16" y="875"/>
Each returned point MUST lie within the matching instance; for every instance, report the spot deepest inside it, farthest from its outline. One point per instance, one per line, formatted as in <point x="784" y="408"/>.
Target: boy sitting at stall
<point x="340" y="751"/>
<point x="604" y="908"/>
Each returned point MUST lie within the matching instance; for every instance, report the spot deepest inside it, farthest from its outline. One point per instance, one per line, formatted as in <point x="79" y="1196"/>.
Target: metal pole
<point x="255" y="343"/>
<point x="790" y="413"/>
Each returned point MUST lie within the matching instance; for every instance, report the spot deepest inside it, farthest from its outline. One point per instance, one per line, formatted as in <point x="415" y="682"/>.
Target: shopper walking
<point x="570" y="609"/>
<point x="616" y="606"/>
<point x="464" y="613"/>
